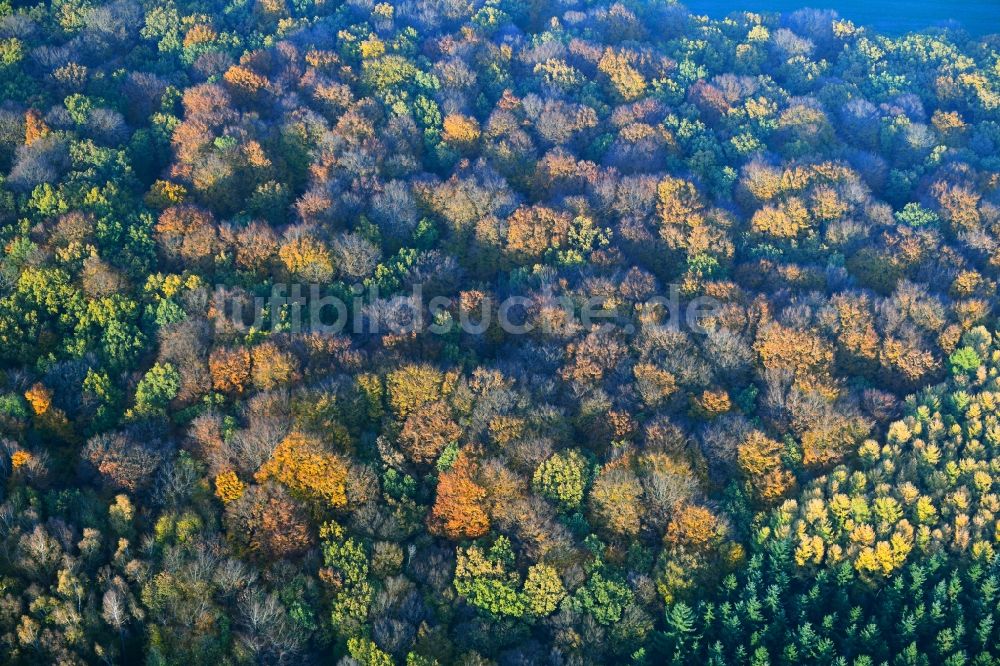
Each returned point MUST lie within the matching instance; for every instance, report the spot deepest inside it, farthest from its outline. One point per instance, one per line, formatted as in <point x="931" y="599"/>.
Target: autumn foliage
<point x="703" y="365"/>
<point x="303" y="465"/>
<point x="458" y="511"/>
<point x="230" y="369"/>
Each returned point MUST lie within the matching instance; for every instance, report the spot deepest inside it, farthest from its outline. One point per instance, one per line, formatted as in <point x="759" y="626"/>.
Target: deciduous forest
<point x="805" y="476"/>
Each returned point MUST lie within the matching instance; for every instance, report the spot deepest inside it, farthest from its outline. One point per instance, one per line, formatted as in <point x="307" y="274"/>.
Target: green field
<point x="890" y="16"/>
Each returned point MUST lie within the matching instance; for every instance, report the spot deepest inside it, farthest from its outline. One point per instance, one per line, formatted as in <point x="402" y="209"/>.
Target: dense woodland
<point x="809" y="479"/>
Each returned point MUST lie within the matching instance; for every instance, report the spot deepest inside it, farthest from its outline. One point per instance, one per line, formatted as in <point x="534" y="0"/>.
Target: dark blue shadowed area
<point x="893" y="17"/>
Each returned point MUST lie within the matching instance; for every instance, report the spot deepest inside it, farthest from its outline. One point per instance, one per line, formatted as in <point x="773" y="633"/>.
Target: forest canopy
<point x="804" y="474"/>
